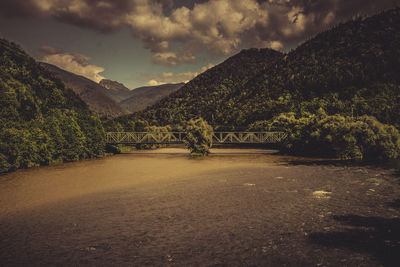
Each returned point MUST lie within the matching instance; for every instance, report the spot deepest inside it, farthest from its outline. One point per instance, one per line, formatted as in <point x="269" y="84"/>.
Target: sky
<point x="151" y="42"/>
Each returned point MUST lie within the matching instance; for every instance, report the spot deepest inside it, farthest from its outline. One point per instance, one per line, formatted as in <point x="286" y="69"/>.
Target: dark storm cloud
<point x="10" y="8"/>
<point x="345" y="8"/>
<point x="292" y="21"/>
<point x="216" y="26"/>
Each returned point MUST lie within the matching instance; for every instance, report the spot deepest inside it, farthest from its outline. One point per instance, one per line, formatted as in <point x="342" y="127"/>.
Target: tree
<point x="41" y="121"/>
<point x="199" y="136"/>
<point x="339" y="136"/>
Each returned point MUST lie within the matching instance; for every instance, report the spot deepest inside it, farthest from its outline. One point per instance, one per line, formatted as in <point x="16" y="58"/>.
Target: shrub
<point x="153" y="129"/>
<point x="199" y="136"/>
<point x="339" y="136"/>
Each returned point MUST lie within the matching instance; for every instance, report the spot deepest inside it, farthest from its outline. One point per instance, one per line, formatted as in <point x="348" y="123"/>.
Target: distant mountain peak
<point x="113" y="85"/>
<point x="93" y="94"/>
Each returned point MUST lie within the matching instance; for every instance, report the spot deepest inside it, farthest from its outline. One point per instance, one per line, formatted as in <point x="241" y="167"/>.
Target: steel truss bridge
<point x="179" y="137"/>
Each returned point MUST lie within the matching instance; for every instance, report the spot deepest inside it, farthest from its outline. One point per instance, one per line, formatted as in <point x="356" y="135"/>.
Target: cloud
<point x="276" y="45"/>
<point x="178" y="34"/>
<point x="72" y="62"/>
<point x="169" y="77"/>
<point x="171" y="58"/>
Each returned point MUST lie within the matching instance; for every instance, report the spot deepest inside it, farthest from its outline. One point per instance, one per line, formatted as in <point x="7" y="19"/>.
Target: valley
<point x="109" y="98"/>
<point x="157" y="135"/>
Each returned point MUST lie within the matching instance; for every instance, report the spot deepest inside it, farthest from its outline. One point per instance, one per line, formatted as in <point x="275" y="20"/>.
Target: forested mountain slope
<point x="142" y="97"/>
<point x="211" y="94"/>
<point x="352" y="69"/>
<point x="41" y="121"/>
<point x="94" y="95"/>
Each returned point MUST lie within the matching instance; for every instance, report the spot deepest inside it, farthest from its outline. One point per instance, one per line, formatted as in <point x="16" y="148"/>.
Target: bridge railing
<point x="248" y="137"/>
<point x="178" y="137"/>
<point x="145" y="137"/>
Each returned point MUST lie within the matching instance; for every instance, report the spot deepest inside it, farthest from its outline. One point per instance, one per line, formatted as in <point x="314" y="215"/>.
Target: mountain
<point x="141" y="98"/>
<point x="41" y="121"/>
<point x="212" y="94"/>
<point x="92" y="93"/>
<point x="352" y="69"/>
<point x="111" y="98"/>
<point x="117" y="91"/>
<point x="113" y="85"/>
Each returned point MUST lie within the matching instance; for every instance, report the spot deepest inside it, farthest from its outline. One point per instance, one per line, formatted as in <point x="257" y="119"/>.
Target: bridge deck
<point x="178" y="137"/>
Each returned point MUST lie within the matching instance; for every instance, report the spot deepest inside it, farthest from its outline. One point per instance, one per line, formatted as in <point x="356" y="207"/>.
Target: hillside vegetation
<point x="336" y="95"/>
<point x="344" y="80"/>
<point x="213" y="94"/>
<point x="142" y="97"/>
<point x="352" y="69"/>
<point x="92" y="93"/>
<point x="41" y="122"/>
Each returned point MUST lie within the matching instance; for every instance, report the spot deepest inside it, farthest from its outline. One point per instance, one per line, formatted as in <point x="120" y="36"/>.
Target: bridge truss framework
<point x="178" y="137"/>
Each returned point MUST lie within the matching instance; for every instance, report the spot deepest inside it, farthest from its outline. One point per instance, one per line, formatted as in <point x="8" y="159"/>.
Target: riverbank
<point x="164" y="208"/>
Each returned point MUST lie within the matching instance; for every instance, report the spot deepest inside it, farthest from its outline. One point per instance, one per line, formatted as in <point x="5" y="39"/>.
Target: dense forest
<point x="352" y="69"/>
<point x="41" y="122"/>
<point x="338" y="92"/>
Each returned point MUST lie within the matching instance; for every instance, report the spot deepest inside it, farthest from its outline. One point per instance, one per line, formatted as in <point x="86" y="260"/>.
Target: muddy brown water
<point x="234" y="208"/>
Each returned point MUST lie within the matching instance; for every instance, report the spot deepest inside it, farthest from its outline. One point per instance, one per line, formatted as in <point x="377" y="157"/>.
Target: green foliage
<point x="16" y="146"/>
<point x="41" y="122"/>
<point x="210" y="95"/>
<point x="326" y="93"/>
<point x="158" y="129"/>
<point x="121" y="124"/>
<point x="198" y="136"/>
<point x="153" y="129"/>
<point x="339" y="136"/>
<point x="94" y="141"/>
<point x="352" y="69"/>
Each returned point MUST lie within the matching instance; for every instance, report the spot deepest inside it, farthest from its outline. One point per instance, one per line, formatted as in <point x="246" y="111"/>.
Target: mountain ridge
<point x="116" y="90"/>
<point x="91" y="92"/>
<point x="212" y="87"/>
<point x="342" y="70"/>
<point x="142" y="97"/>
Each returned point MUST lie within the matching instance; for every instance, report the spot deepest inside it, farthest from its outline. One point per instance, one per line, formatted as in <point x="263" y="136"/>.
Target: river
<point x="235" y="207"/>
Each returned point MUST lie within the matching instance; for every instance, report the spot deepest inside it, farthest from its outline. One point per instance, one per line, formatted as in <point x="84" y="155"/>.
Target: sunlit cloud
<point x="169" y="77"/>
<point x="72" y="62"/>
<point x="178" y="34"/>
